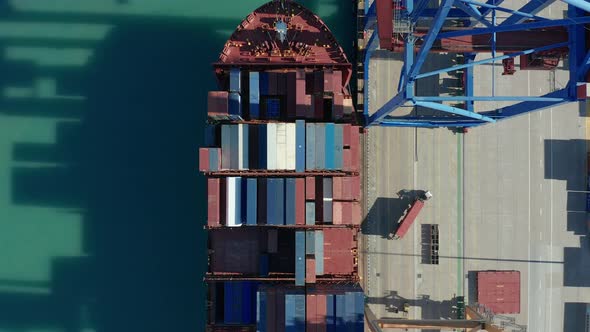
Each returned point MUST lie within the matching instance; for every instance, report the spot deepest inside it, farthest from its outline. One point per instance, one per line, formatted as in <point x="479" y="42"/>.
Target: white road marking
<point x="541" y="211"/>
<point x="540" y="236"/>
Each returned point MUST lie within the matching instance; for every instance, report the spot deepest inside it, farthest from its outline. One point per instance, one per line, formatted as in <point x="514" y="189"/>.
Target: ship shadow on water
<point x="126" y="162"/>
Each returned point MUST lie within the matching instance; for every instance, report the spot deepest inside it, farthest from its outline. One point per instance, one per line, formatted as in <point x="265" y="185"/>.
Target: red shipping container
<point x="311" y="312"/>
<point x="213" y="202"/>
<point x="291" y="95"/>
<point x="499" y="291"/>
<point x="337" y="183"/>
<point x="337" y="82"/>
<point x="356" y="214"/>
<point x="300" y="74"/>
<point x="272" y="83"/>
<point x="346" y="160"/>
<point x="355" y="188"/>
<point x="321" y="304"/>
<point x="318" y="107"/>
<point x="337" y="212"/>
<point x="346" y="134"/>
<point x="203" y="159"/>
<point x="217" y="102"/>
<point x="309" y="188"/>
<point x="300" y="201"/>
<point x="328" y="81"/>
<point x="310" y="270"/>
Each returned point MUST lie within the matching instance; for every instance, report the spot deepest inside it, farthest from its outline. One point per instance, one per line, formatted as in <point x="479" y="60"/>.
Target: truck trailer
<point x="410" y="215"/>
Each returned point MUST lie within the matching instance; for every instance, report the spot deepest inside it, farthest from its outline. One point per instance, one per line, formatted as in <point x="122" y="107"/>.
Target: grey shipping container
<point x="225" y="147"/>
<point x="327" y="182"/>
<point x="261" y="311"/>
<point x="319" y="252"/>
<point x="252" y="195"/>
<point x="309" y="213"/>
<point x="309" y="243"/>
<point x="300" y="145"/>
<point x="290" y="201"/>
<point x="327" y="211"/>
<point x="275" y="201"/>
<point x="310" y="146"/>
<point x="320" y="145"/>
<point x="254" y="95"/>
<point x="234" y="139"/>
<point x="299" y="258"/>
<point x="244" y="155"/>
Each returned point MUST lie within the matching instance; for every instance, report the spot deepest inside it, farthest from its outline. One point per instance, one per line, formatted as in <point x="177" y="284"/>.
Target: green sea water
<point x="102" y="107"/>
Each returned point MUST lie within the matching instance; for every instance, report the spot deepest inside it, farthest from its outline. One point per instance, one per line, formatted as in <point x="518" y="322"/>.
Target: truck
<point x="410" y="215"/>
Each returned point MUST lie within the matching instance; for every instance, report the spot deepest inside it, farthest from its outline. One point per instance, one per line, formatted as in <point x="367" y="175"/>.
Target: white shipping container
<point x="271" y="146"/>
<point x="233" y="204"/>
<point x="282" y="146"/>
<point x="291" y="146"/>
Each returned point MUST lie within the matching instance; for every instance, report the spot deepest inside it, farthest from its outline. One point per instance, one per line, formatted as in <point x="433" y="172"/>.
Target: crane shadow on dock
<point x="430" y="309"/>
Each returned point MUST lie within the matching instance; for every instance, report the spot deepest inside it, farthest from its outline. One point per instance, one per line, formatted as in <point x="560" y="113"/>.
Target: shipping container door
<point x="300" y="142"/>
<point x="254" y="95"/>
<point x="319" y="252"/>
<point x="252" y="197"/>
<point x="329" y="148"/>
<point x="299" y="258"/>
<point x="291" y="146"/>
<point x="310" y="146"/>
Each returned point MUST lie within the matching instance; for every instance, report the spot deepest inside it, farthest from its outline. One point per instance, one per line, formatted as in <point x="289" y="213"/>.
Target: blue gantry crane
<point x="469" y="28"/>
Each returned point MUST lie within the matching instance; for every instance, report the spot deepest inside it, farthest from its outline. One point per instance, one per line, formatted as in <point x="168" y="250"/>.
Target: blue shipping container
<point x="309" y="243"/>
<point x="310" y="146"/>
<point x="338" y="144"/>
<point x="235" y="103"/>
<point x="319" y="252"/>
<point x="299" y="258"/>
<point x="300" y="142"/>
<point x="254" y="95"/>
<point x="264" y="83"/>
<point x="290" y="313"/>
<point x="262" y="147"/>
<point x="320" y="146"/>
<point x="261" y="311"/>
<point x="252" y="195"/>
<point x="273" y="108"/>
<point x="234" y="80"/>
<point x="340" y="309"/>
<point x="329" y="159"/>
<point x="330" y="314"/>
<point x="310" y="213"/>
<point x="209" y="138"/>
<point x="232" y="303"/>
<point x="359" y="312"/>
<point x="244" y="201"/>
<point x="248" y="314"/>
<point x="263" y="266"/>
<point x="290" y="201"/>
<point x="299" y="312"/>
<point x="275" y="201"/>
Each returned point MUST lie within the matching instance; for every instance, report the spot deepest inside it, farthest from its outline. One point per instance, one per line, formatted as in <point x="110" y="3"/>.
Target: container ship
<point x="282" y="158"/>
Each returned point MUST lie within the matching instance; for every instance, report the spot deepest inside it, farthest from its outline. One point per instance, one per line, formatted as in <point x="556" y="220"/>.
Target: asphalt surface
<point x="505" y="198"/>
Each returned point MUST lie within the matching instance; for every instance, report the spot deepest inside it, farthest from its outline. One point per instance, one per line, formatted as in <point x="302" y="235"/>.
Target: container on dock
<point x="310" y="188"/>
<point x="213" y="201"/>
<point x="299" y="258"/>
<point x="235" y="103"/>
<point x="300" y="201"/>
<point x="300" y="146"/>
<point x="217" y="102"/>
<point x="310" y="145"/>
<point x="254" y="94"/>
<point x="290" y="199"/>
<point x="251" y="196"/>
<point x="235" y="80"/>
<point x="499" y="291"/>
